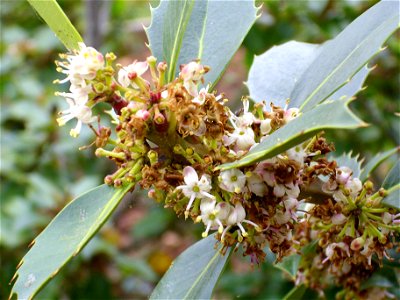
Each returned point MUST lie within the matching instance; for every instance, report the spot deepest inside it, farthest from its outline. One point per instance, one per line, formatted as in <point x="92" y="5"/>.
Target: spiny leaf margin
<point x="352" y="162"/>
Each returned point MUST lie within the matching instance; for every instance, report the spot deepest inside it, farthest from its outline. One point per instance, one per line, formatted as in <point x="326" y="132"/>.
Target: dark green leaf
<point x="330" y="115"/>
<point x="290" y="265"/>
<point x="194" y="274"/>
<point x="65" y="237"/>
<point x="342" y="57"/>
<point x="54" y="16"/>
<point x="202" y="35"/>
<point x="375" y="162"/>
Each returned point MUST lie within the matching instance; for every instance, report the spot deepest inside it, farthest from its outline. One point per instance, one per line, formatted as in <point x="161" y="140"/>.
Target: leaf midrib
<point x="342" y="63"/>
<point x="178" y="39"/>
<point x="201" y="274"/>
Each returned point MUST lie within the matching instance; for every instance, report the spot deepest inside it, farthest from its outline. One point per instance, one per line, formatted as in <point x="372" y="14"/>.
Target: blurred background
<point x="42" y="169"/>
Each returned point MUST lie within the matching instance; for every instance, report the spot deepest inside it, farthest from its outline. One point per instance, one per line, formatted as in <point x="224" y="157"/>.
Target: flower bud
<point x="357" y="244"/>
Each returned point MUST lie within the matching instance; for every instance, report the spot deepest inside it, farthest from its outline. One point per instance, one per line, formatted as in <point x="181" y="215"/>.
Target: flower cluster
<point x="170" y="138"/>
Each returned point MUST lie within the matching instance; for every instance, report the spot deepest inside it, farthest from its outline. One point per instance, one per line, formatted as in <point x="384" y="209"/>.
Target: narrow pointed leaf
<point x="376" y="161"/>
<point x="65" y="237"/>
<point x="330" y="115"/>
<point x="352" y="162"/>
<point x="204" y="36"/>
<point x="194" y="274"/>
<point x="54" y="16"/>
<point x="342" y="57"/>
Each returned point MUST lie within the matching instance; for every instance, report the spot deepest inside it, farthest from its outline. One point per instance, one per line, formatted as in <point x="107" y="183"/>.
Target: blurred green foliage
<point x="41" y="168"/>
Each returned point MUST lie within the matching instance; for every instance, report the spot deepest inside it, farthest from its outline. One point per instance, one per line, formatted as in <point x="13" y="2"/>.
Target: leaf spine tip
<point x="11" y="281"/>
<point x="19" y="264"/>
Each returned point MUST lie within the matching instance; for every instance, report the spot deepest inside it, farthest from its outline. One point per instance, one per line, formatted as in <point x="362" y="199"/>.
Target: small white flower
<point x="191" y="73"/>
<point x="194" y="187"/>
<point x="367" y="250"/>
<point x="289" y="189"/>
<point x="338" y="219"/>
<point x="243" y="137"/>
<point x="256" y="185"/>
<point x="290" y="114"/>
<point x="236" y="217"/>
<point x="201" y="97"/>
<point x="213" y="215"/>
<point x="247" y="118"/>
<point x="265" y="126"/>
<point x="297" y="154"/>
<point x="82" y="64"/>
<point x="232" y="180"/>
<point x="354" y="185"/>
<point x="264" y="169"/>
<point x="137" y="68"/>
<point x="330" y="250"/>
<point x="77" y="109"/>
<point x="343" y="174"/>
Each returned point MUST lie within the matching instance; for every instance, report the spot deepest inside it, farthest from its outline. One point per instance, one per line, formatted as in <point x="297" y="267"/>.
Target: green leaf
<point x="330" y="115"/>
<point x="341" y="58"/>
<point x="375" y="162"/>
<point x="296" y="293"/>
<point x="202" y="35"/>
<point x="273" y="75"/>
<point x="54" y="16"/>
<point x="65" y="237"/>
<point x="194" y="274"/>
<point x="352" y="162"/>
<point x="290" y="265"/>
